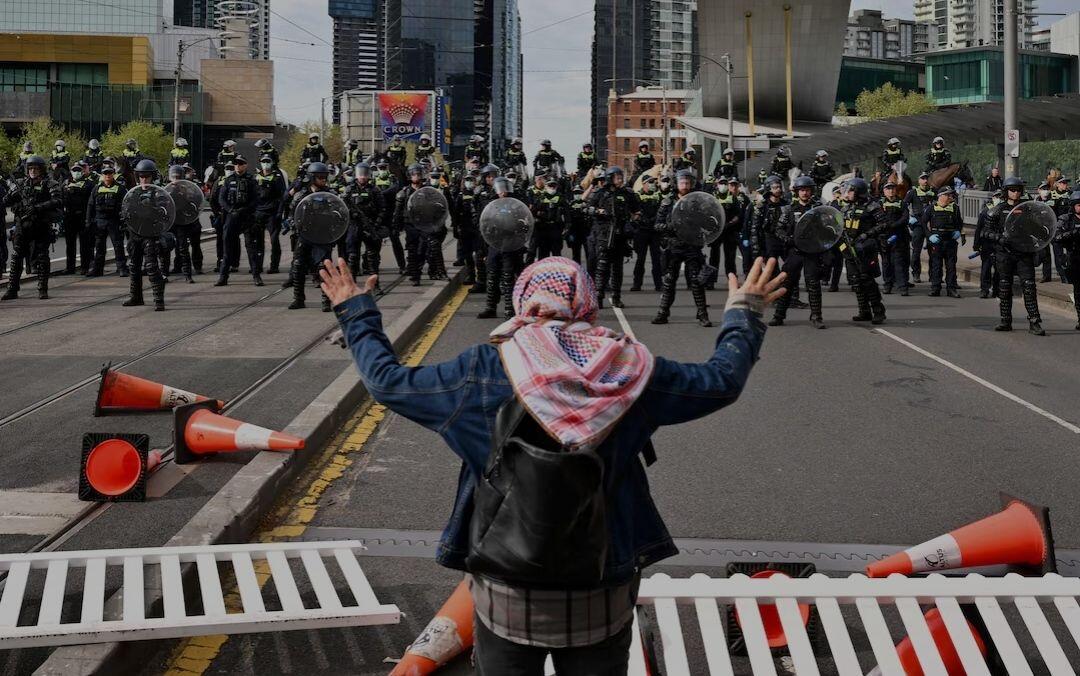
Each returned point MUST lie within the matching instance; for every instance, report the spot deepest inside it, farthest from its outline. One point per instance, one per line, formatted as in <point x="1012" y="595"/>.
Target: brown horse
<point x="1053" y="176"/>
<point x="898" y="175"/>
<point x="945" y="176"/>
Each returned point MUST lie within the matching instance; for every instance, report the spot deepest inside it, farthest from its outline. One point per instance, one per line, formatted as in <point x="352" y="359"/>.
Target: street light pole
<point x="1011" y="162"/>
<point x="176" y="90"/>
<point x="730" y="115"/>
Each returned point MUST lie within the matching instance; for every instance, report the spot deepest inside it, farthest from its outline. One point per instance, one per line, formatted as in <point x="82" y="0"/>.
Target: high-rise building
<point x="497" y="113"/>
<point x="619" y="58"/>
<point x="871" y="36"/>
<point x="959" y="24"/>
<point x="250" y="16"/>
<point x="672" y="43"/>
<point x="358" y="47"/>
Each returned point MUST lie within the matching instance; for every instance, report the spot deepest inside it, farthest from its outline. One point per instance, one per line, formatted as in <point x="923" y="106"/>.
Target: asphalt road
<point x="855" y="435"/>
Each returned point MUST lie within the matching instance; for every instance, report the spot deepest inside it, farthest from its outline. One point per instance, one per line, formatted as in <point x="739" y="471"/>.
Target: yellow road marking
<point x="288" y="519"/>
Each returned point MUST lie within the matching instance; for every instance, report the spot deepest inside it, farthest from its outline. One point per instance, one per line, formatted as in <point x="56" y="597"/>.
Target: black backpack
<point x="540" y="510"/>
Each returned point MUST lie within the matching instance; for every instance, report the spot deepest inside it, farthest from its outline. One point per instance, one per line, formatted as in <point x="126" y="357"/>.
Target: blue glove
<point x="956" y="235"/>
<point x="746" y="243"/>
<point x="973" y="255"/>
<point x="892" y="240"/>
<point x="935" y="239"/>
<point x="912" y="220"/>
<point x="286" y="226"/>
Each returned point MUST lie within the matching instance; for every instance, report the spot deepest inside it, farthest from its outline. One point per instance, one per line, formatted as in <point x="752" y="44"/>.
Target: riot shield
<point x="506" y="224"/>
<point x="427" y="209"/>
<point x="818" y="230"/>
<point x="321" y="218"/>
<point x="1030" y="226"/>
<point x="698" y="219"/>
<point x="148" y="211"/>
<point x="188" y="199"/>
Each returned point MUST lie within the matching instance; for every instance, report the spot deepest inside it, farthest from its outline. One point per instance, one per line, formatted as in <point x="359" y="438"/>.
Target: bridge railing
<point x="972" y="203"/>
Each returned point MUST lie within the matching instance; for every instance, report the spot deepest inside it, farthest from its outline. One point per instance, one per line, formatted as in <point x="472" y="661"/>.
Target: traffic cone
<point x="121" y="392"/>
<point x="770" y="616"/>
<point x="198" y="430"/>
<point x="1018" y="535"/>
<point x="449" y="634"/>
<point x="115" y="467"/>
<point x="944" y="644"/>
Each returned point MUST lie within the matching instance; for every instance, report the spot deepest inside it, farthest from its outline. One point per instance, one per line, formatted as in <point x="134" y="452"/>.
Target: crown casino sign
<point x="403" y="114"/>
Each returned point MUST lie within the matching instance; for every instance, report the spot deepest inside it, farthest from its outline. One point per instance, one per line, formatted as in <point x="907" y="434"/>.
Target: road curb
<point x="1048" y="293"/>
<point x="235" y="511"/>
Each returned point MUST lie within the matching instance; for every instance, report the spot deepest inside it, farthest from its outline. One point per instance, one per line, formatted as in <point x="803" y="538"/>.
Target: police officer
<point x="515" y="156"/>
<point x="1068" y="237"/>
<point x="892" y="154"/>
<point x="433" y="241"/>
<point x="678" y="253"/>
<point x="78" y="238"/>
<point x="217" y="218"/>
<point x="764" y="241"/>
<point x="483" y="194"/>
<point x="797" y="261"/>
<point x="103" y="220"/>
<point x="352" y="154"/>
<point x="60" y="160"/>
<point x="782" y="163"/>
<point x="314" y="151"/>
<point x="614" y="206"/>
<point x="734" y="204"/>
<point x="144" y="252"/>
<point x="179" y="155"/>
<point x="546" y="158"/>
<point x="895" y="242"/>
<point x="20" y="166"/>
<point x="36" y="201"/>
<point x="864" y="221"/>
<point x="988" y="274"/>
<point x="187" y="234"/>
<point x="238" y="198"/>
<point x="365" y="202"/>
<point x="308" y="257"/>
<point x="725" y="167"/>
<point x="644" y="159"/>
<point x="129" y="158"/>
<point x="647" y="240"/>
<point x="425" y="150"/>
<point x="586" y="159"/>
<point x="550" y="211"/>
<point x="688" y="162"/>
<point x="475" y="151"/>
<point x="939" y="156"/>
<point x="577" y="234"/>
<point x="270" y="192"/>
<point x="821" y="170"/>
<point x="1012" y="263"/>
<point x="414" y="238"/>
<point x="227" y="153"/>
<point x="384" y="181"/>
<point x="461" y="218"/>
<point x="266" y="149"/>
<point x="916" y="201"/>
<point x="1060" y="199"/>
<point x="944" y="225"/>
<point x="833" y="259"/>
<point x="503" y="267"/>
<point x="94" y="157"/>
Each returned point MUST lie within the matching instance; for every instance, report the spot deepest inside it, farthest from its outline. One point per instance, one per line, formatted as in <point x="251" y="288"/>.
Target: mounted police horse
<point x="897" y="175"/>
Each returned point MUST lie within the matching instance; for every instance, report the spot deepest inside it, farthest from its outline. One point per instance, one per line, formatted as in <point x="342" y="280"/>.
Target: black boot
<point x="953" y="293"/>
<point x="43" y="280"/>
<point x="1006" y="325"/>
<point x="486" y="313"/>
<point x="660" y="318"/>
<point x="776" y="321"/>
<point x="817" y="322"/>
<point x="258" y="279"/>
<point x="1035" y="328"/>
<point x="15" y="275"/>
<point x="298" y="286"/>
<point x="223" y="278"/>
<point x="326" y="307"/>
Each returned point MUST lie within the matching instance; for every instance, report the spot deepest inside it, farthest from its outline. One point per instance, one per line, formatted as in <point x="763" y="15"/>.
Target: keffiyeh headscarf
<point x="575" y="378"/>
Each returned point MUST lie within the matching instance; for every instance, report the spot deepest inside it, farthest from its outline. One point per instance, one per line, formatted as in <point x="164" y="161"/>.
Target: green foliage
<point x="888" y="101"/>
<point x="8" y="152"/>
<point x="1037" y="159"/>
<point x="43" y="133"/>
<point x="154" y="141"/>
<point x="841" y="110"/>
<point x="290" y="156"/>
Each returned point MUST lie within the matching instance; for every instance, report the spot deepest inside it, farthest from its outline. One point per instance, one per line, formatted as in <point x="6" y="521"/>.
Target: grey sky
<point x="557" y="62"/>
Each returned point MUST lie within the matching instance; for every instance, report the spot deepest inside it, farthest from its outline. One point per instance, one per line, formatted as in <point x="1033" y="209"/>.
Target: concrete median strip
<point x="233" y="514"/>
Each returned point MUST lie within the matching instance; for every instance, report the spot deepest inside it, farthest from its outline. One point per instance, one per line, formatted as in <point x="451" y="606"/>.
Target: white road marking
<point x="622" y="321"/>
<point x="985" y="383"/>
<point x="26" y="513"/>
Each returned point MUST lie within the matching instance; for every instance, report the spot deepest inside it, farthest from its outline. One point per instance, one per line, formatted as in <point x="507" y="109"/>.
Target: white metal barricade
<point x="1040" y="602"/>
<point x="329" y="568"/>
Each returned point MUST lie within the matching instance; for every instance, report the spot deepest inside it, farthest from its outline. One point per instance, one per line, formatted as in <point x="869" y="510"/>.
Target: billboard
<point x="403" y="114"/>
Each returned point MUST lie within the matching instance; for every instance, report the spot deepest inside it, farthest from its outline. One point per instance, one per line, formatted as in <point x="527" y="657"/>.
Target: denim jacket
<point x="459" y="399"/>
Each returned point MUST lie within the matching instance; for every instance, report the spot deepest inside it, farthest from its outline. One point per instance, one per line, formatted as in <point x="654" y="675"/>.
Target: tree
<point x="153" y="140"/>
<point x="841" y="110"/>
<point x="43" y="134"/>
<point x="8" y="152"/>
<point x="888" y="101"/>
<point x="290" y="156"/>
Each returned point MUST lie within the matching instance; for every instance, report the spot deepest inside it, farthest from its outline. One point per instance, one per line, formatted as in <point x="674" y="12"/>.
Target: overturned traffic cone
<point x="198" y="430"/>
<point x="121" y="392"/>
<point x="946" y="649"/>
<point x="115" y="467"/>
<point x="770" y="616"/>
<point x="1018" y="535"/>
<point x="449" y="634"/>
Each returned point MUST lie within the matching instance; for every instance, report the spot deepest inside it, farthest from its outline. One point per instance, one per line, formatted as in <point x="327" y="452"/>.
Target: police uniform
<point x="1068" y="237"/>
<point x="1011" y="264"/>
<point x="314" y="152"/>
<point x="269" y="196"/>
<point x="988" y="275"/>
<point x="864" y="221"/>
<point x="179" y="156"/>
<point x="419" y="246"/>
<point x="798" y="263"/>
<point x="578" y="233"/>
<point x="726" y="169"/>
<point x="546" y="158"/>
<point x="896" y="255"/>
<point x="515" y="158"/>
<point x="386" y="184"/>
<point x="187" y="245"/>
<point x="308" y="256"/>
<point x="1059" y="201"/>
<point x="676" y="255"/>
<point x="93" y="159"/>
<point x="237" y="199"/>
<point x="366" y="228"/>
<point x="610" y="230"/>
<point x="734" y="205"/>
<point x="36" y="203"/>
<point x="144" y="256"/>
<point x="889" y="157"/>
<point x="475" y="152"/>
<point x="938" y="158"/>
<point x="916" y="200"/>
<point x="103" y="220"/>
<point x="944" y="224"/>
<point x="423" y="151"/>
<point x="647" y="241"/>
<point x="551" y="220"/>
<point x="585" y="162"/>
<point x="353" y="155"/>
<point x="643" y="162"/>
<point x="78" y="238"/>
<point x="822" y="172"/>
